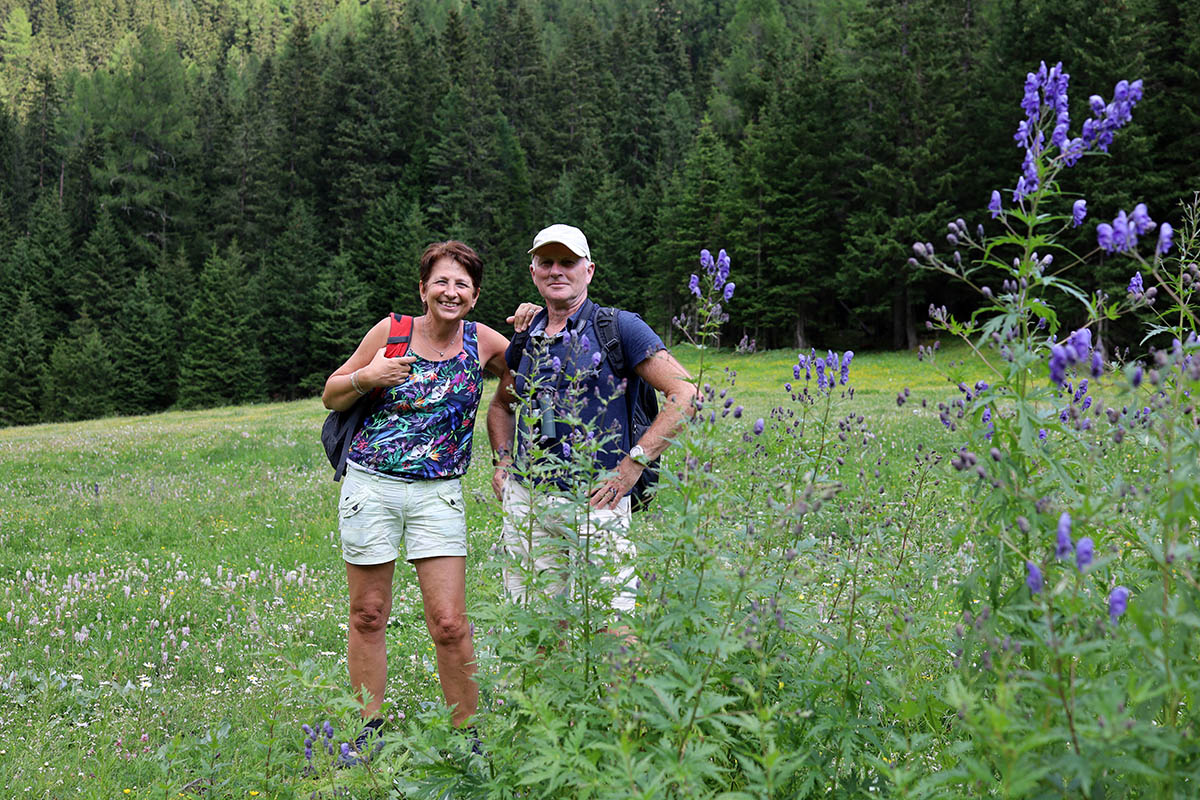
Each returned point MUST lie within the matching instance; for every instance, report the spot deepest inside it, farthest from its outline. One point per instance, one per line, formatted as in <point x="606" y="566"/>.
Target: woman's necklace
<point x="441" y="353"/>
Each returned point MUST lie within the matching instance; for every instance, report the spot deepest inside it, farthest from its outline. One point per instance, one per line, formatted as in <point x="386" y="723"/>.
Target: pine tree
<point x="388" y="252"/>
<point x="284" y="286"/>
<point x="145" y="351"/>
<point x="22" y="354"/>
<point x="78" y="379"/>
<point x="52" y="264"/>
<point x="341" y="318"/>
<point x="220" y="363"/>
<point x="104" y="276"/>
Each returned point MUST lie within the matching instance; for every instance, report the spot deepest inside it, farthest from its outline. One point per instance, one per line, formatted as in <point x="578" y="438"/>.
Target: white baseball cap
<point x="567" y="235"/>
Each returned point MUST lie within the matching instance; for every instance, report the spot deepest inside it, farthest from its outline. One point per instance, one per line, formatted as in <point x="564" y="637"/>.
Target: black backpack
<point x="340" y="426"/>
<point x="641" y="401"/>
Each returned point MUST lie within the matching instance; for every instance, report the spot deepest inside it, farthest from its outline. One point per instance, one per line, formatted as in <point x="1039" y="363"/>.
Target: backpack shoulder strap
<point x="607" y="323"/>
<point x="399" y="335"/>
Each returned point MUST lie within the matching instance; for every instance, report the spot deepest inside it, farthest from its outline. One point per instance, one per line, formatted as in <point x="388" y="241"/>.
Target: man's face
<point x="561" y="277"/>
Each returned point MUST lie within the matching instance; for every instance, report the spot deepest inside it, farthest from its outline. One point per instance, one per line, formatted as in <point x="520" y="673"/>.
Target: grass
<point x="173" y="583"/>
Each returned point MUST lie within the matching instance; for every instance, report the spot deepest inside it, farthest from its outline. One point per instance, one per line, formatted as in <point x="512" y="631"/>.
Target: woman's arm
<point x="368" y="367"/>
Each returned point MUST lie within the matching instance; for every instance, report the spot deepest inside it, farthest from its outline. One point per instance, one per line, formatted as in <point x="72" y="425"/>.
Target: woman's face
<point x="449" y="293"/>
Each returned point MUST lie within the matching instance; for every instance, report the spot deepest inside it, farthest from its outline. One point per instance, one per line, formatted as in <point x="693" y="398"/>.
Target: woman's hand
<point x="385" y="371"/>
<point x="523" y="316"/>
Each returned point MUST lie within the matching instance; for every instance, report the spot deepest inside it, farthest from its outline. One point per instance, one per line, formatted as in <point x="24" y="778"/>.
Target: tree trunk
<point x="801" y="336"/>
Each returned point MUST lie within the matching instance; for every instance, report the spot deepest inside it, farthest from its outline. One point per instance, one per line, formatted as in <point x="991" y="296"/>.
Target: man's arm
<point x="668" y="377"/>
<point x="501" y="428"/>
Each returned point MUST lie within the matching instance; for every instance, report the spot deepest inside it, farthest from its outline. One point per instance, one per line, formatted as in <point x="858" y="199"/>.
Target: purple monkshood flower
<point x="737" y="412"/>
<point x="1104" y="237"/>
<point x="1166" y="236"/>
<point x="308" y="731"/>
<point x="1118" y="603"/>
<point x="722" y="266"/>
<point x="994" y="205"/>
<point x="1033" y="577"/>
<point x="1058" y="364"/>
<point x="706" y="261"/>
<point x="1124" y="233"/>
<point x="1064" y="545"/>
<point x="1085" y="551"/>
<point x="1136" y="378"/>
<point x="1042" y="434"/>
<point x="728" y="292"/>
<point x="847" y="357"/>
<point x="1097" y="365"/>
<point x="759" y="426"/>
<point x="566" y="450"/>
<point x="1078" y="212"/>
<point x="328" y="728"/>
<point x="694" y="284"/>
<point x="556" y="364"/>
<point x="796" y="370"/>
<point x="1135" y="287"/>
<point x="1059" y="138"/>
<point x="1140" y="219"/>
<point x="585" y="344"/>
<point x="820" y="365"/>
<point x="1081" y="341"/>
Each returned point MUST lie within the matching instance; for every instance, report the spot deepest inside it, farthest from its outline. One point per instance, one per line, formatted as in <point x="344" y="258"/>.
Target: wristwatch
<point x="638" y="454"/>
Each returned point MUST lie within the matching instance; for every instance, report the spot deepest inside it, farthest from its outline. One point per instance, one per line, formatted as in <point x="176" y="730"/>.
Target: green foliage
<point x="220" y="361"/>
<point x="21" y="365"/>
<point x="79" y="377"/>
<point x="145" y="347"/>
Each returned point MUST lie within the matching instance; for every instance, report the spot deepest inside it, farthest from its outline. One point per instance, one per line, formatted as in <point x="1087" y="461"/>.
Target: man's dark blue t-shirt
<point x="566" y="376"/>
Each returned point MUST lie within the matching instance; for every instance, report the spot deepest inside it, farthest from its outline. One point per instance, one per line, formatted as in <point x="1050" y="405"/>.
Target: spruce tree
<point x="342" y="316"/>
<point x="388" y="250"/>
<point x="145" y="351"/>
<point x="220" y="363"/>
<point x="284" y="311"/>
<point x="104" y="278"/>
<point x="21" y="363"/>
<point x="78" y="378"/>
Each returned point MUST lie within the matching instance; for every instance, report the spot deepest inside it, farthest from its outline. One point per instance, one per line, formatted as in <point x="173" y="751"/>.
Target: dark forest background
<point x="209" y="201"/>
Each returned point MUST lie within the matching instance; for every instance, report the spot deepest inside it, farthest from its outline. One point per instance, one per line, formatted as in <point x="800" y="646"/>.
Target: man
<point x="559" y="367"/>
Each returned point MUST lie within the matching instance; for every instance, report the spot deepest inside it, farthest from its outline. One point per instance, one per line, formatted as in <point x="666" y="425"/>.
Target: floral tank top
<point x="422" y="428"/>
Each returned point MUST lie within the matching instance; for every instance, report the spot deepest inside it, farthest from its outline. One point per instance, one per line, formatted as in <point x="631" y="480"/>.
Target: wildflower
<point x="1104" y="237"/>
<point x="722" y="266"/>
<point x="1166" y="237"/>
<point x="694" y="284"/>
<point x="1140" y="219"/>
<point x="585" y="344"/>
<point x="1136" y="378"/>
<point x="820" y="365"/>
<point x="994" y="205"/>
<point x="706" y="261"/>
<point x="1085" y="551"/>
<point x="1058" y="363"/>
<point x="1118" y="603"/>
<point x="1041" y="434"/>
<point x="759" y="425"/>
<point x="597" y="357"/>
<point x="846" y="358"/>
<point x="796" y="370"/>
<point x="1097" y="365"/>
<point x="737" y="412"/>
<point x="1033" y="577"/>
<point x="1135" y="287"/>
<point x="1078" y="212"/>
<point x="556" y="365"/>
<point x="1064" y="545"/>
<point x="728" y="295"/>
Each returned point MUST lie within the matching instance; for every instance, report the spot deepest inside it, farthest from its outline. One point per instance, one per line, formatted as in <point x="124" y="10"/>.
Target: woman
<point x="402" y="478"/>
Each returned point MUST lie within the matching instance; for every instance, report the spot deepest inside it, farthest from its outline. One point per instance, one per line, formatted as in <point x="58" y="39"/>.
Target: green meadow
<point x="174" y="600"/>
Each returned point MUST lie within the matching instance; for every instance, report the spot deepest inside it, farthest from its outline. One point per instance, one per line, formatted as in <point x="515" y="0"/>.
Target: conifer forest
<point x="206" y="202"/>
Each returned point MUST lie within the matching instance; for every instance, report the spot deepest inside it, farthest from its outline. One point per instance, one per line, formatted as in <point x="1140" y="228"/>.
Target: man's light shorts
<point x="377" y="514"/>
<point x="538" y="532"/>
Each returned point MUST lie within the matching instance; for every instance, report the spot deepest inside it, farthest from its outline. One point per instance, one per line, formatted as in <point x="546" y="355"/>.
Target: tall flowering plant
<point x="1078" y="533"/>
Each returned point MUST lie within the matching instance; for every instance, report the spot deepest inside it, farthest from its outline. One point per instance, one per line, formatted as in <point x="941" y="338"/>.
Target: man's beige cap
<point x="567" y="235"/>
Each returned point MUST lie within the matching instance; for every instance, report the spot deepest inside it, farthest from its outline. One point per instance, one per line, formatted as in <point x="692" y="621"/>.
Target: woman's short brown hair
<point x="460" y="253"/>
